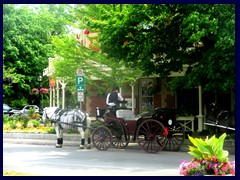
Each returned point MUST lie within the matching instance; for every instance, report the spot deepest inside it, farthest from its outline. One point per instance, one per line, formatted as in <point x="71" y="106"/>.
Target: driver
<point x="113" y="99"/>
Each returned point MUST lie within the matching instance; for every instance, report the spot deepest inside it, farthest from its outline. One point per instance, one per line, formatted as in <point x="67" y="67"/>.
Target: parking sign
<point x="80" y="83"/>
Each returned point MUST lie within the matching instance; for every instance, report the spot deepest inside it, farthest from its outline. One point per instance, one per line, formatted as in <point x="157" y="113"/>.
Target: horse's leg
<point x="61" y="136"/>
<point x="80" y="130"/>
<point x="87" y="138"/>
<point x="58" y="133"/>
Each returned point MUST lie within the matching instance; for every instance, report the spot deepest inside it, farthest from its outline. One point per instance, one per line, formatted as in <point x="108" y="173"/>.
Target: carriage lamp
<point x="170" y="122"/>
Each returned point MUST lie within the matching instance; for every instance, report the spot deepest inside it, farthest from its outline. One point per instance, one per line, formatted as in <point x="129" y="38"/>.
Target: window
<point x="147" y="93"/>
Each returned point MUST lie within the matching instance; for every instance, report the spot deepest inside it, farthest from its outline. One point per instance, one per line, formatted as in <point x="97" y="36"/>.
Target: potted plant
<point x="209" y="158"/>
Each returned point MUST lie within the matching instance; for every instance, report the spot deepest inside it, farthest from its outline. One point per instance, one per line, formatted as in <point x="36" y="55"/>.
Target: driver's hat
<point x="115" y="88"/>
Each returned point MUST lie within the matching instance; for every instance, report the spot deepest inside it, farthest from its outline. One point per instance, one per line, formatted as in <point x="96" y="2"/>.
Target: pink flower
<point x="214" y="159"/>
<point x="232" y="171"/>
<point x="224" y="168"/>
<point x="34" y="91"/>
<point x="44" y="90"/>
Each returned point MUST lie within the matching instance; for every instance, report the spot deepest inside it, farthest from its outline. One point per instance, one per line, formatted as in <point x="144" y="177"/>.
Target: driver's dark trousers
<point x="112" y="109"/>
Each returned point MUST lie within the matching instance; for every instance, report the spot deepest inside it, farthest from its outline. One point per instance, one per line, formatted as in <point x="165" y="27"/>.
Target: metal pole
<point x="54" y="97"/>
<point x="50" y="97"/>
<point x="42" y="101"/>
<point x="39" y="94"/>
<point x="58" y="104"/>
<point x="200" y="116"/>
<point x="133" y="108"/>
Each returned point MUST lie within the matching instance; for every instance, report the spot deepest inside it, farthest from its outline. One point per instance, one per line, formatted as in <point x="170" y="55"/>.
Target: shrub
<point x="25" y="120"/>
<point x="35" y="123"/>
<point x="51" y="131"/>
<point x="209" y="158"/>
<point x="13" y="124"/>
<point x="35" y="116"/>
<point x="31" y="112"/>
<point x="5" y="118"/>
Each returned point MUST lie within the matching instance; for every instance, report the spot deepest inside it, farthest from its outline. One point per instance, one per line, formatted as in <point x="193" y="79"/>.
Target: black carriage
<point x="219" y="118"/>
<point x="153" y="131"/>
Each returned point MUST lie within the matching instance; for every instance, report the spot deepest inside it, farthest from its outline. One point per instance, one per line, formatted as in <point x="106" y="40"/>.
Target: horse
<point x="68" y="119"/>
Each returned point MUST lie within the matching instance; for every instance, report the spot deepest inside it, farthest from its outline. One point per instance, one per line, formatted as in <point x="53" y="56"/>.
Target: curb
<point x="74" y="140"/>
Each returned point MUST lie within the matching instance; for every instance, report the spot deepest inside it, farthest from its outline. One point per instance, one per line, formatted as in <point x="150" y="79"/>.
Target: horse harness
<point x="62" y="112"/>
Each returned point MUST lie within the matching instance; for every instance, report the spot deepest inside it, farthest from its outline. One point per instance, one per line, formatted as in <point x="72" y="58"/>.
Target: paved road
<point x="70" y="161"/>
<point x="47" y="160"/>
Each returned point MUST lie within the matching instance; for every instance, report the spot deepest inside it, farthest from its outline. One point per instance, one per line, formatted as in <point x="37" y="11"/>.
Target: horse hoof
<point x="58" y="146"/>
<point x="88" y="147"/>
<point x="81" y="147"/>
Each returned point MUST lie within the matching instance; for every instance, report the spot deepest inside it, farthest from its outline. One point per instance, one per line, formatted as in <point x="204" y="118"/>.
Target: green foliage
<point x="208" y="148"/>
<point x="13" y="123"/>
<point x="19" y="103"/>
<point x="25" y="124"/>
<point x="93" y="63"/>
<point x="31" y="111"/>
<point x="165" y="37"/>
<point x="25" y="120"/>
<point x="209" y="158"/>
<point x="51" y="131"/>
<point x="135" y="40"/>
<point x="5" y="118"/>
<point x="116" y="72"/>
<point x="96" y="124"/>
<point x="27" y="36"/>
<point x="35" y="123"/>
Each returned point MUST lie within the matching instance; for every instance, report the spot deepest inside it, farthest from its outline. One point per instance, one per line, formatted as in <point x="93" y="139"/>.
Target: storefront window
<point x="147" y="87"/>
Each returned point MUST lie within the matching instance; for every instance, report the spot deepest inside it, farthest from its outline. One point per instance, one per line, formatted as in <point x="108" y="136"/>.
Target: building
<point x="146" y="94"/>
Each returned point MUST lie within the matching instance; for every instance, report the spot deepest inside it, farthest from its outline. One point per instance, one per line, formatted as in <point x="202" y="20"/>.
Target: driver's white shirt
<point x="120" y="98"/>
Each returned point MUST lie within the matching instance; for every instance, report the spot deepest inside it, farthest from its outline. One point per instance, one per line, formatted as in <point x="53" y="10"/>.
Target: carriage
<point x="153" y="131"/>
<point x="220" y="119"/>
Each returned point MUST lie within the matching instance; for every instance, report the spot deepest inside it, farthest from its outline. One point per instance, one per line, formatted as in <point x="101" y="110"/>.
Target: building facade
<point x="147" y="94"/>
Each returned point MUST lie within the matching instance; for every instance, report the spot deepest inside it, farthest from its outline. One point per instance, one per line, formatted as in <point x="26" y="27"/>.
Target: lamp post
<point x="40" y="94"/>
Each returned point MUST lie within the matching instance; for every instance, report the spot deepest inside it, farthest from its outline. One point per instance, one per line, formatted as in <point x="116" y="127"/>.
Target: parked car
<point x="26" y="109"/>
<point x="10" y="111"/>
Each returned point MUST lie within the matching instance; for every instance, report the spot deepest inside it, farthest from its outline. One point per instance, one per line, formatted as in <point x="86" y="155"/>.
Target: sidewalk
<point x="74" y="141"/>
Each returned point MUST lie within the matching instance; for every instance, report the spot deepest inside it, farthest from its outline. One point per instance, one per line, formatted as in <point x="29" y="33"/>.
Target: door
<point x="147" y="88"/>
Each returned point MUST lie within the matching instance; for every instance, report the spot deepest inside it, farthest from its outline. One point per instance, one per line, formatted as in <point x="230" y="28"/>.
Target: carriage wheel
<point x="102" y="138"/>
<point x="120" y="138"/>
<point x="175" y="138"/>
<point x="151" y="136"/>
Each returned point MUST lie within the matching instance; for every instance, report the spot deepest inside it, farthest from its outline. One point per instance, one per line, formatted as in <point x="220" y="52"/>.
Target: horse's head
<point x="48" y="113"/>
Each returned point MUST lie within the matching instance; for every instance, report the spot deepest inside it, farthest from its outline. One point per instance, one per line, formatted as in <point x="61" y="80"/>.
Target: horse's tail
<point x="87" y="131"/>
<point x="88" y="119"/>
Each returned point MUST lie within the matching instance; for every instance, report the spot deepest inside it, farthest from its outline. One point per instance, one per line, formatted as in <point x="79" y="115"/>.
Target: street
<point x="71" y="161"/>
<point x="47" y="160"/>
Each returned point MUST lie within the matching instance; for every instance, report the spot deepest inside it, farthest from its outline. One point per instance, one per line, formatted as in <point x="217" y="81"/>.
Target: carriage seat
<point x="126" y="114"/>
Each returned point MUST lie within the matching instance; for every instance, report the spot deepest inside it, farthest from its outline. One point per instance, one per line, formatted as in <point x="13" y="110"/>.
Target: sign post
<point x="80" y="86"/>
<point x="80" y="83"/>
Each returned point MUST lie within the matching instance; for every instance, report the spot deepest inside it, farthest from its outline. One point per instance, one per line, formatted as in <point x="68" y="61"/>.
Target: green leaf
<point x="195" y="152"/>
<point x="209" y="147"/>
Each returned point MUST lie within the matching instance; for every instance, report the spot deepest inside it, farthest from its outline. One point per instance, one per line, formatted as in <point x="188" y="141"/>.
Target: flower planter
<point x="209" y="158"/>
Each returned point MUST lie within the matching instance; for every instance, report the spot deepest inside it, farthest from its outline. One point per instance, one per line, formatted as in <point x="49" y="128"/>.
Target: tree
<point x="165" y="37"/>
<point x="94" y="64"/>
<point x="27" y="37"/>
